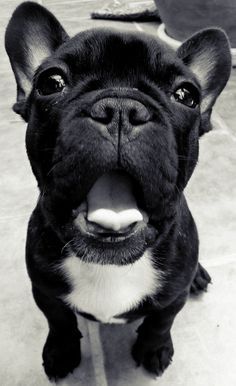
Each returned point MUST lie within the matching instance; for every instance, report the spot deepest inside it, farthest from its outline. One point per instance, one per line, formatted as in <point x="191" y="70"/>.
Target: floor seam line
<point x="97" y="354"/>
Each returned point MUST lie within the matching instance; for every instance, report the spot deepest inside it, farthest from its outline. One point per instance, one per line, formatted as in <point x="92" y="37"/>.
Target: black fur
<point x="68" y="151"/>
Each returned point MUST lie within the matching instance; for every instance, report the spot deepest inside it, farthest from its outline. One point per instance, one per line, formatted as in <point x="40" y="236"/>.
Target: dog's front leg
<point x="153" y="347"/>
<point x="61" y="352"/>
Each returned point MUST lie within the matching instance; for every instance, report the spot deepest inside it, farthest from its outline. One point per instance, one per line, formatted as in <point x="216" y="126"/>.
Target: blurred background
<point x="204" y="332"/>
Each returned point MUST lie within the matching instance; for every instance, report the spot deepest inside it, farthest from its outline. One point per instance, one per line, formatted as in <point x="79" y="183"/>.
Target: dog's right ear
<point x="33" y="33"/>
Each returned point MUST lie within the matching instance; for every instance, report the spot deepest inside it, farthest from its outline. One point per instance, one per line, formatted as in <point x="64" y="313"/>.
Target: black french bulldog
<point x="114" y="120"/>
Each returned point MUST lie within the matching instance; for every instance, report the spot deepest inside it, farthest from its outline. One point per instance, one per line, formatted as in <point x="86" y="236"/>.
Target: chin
<point x="112" y="248"/>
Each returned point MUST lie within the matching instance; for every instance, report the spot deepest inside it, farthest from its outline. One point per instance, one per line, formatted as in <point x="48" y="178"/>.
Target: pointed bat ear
<point x="207" y="54"/>
<point x="32" y="34"/>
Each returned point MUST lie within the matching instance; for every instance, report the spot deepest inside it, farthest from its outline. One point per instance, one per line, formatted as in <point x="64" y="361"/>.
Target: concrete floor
<point x="204" y="333"/>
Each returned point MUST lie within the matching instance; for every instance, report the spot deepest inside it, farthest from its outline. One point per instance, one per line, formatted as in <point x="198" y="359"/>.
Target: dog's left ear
<point x="207" y="54"/>
<point x="32" y="34"/>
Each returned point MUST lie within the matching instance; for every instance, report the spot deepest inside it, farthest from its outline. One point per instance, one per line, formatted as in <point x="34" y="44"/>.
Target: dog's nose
<point x="120" y="110"/>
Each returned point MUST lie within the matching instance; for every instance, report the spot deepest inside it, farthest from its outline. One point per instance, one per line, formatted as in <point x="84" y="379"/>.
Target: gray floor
<point x="204" y="333"/>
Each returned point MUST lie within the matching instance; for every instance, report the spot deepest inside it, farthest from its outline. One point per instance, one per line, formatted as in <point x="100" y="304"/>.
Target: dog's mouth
<point x="111" y="211"/>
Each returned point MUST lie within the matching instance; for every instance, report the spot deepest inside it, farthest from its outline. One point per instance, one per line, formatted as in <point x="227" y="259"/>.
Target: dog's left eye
<point x="50" y="84"/>
<point x="186" y="97"/>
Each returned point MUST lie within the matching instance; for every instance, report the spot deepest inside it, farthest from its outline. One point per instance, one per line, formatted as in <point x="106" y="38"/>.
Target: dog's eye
<point x="186" y="96"/>
<point x="50" y="84"/>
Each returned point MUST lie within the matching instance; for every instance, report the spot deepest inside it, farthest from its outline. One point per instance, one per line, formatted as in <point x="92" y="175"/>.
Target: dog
<point x="114" y="120"/>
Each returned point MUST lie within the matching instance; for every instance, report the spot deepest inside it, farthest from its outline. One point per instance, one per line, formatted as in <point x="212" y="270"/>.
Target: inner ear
<point x="207" y="54"/>
<point x="33" y="33"/>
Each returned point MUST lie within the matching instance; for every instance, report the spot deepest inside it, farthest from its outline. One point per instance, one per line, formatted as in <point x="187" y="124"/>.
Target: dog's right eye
<point x="187" y="95"/>
<point x="50" y="84"/>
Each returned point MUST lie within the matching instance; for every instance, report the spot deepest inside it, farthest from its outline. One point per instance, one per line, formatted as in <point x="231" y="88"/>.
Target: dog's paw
<point x="153" y="360"/>
<point x="200" y="281"/>
<point x="60" y="357"/>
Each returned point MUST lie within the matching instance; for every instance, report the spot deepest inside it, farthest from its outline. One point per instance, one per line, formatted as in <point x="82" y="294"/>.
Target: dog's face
<point x="113" y="126"/>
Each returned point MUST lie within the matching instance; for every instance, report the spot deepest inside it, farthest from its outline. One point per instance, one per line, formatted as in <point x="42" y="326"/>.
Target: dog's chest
<point x="108" y="290"/>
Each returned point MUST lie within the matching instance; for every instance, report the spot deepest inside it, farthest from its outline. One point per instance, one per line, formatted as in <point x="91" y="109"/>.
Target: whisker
<point x="66" y="245"/>
<point x="54" y="166"/>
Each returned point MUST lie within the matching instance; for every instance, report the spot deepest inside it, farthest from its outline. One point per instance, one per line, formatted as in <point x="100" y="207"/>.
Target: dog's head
<point x="114" y="121"/>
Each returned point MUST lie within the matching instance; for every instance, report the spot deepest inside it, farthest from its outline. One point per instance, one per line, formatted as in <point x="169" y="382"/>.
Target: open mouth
<point x="111" y="211"/>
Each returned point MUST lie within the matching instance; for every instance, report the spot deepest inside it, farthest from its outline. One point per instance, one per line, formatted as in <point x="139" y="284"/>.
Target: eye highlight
<point x="50" y="83"/>
<point x="186" y="95"/>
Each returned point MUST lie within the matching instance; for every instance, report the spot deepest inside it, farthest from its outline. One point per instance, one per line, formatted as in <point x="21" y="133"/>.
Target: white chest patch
<point x="108" y="290"/>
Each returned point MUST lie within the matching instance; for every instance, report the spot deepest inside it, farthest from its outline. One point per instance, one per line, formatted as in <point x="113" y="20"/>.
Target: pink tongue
<point x="111" y="203"/>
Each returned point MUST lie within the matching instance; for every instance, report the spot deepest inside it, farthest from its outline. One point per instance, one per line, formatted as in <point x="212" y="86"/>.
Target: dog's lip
<point x="94" y="231"/>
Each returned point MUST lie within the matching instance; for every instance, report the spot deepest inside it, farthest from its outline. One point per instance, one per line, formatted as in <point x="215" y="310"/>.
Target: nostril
<point x="139" y="115"/>
<point x="101" y="112"/>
